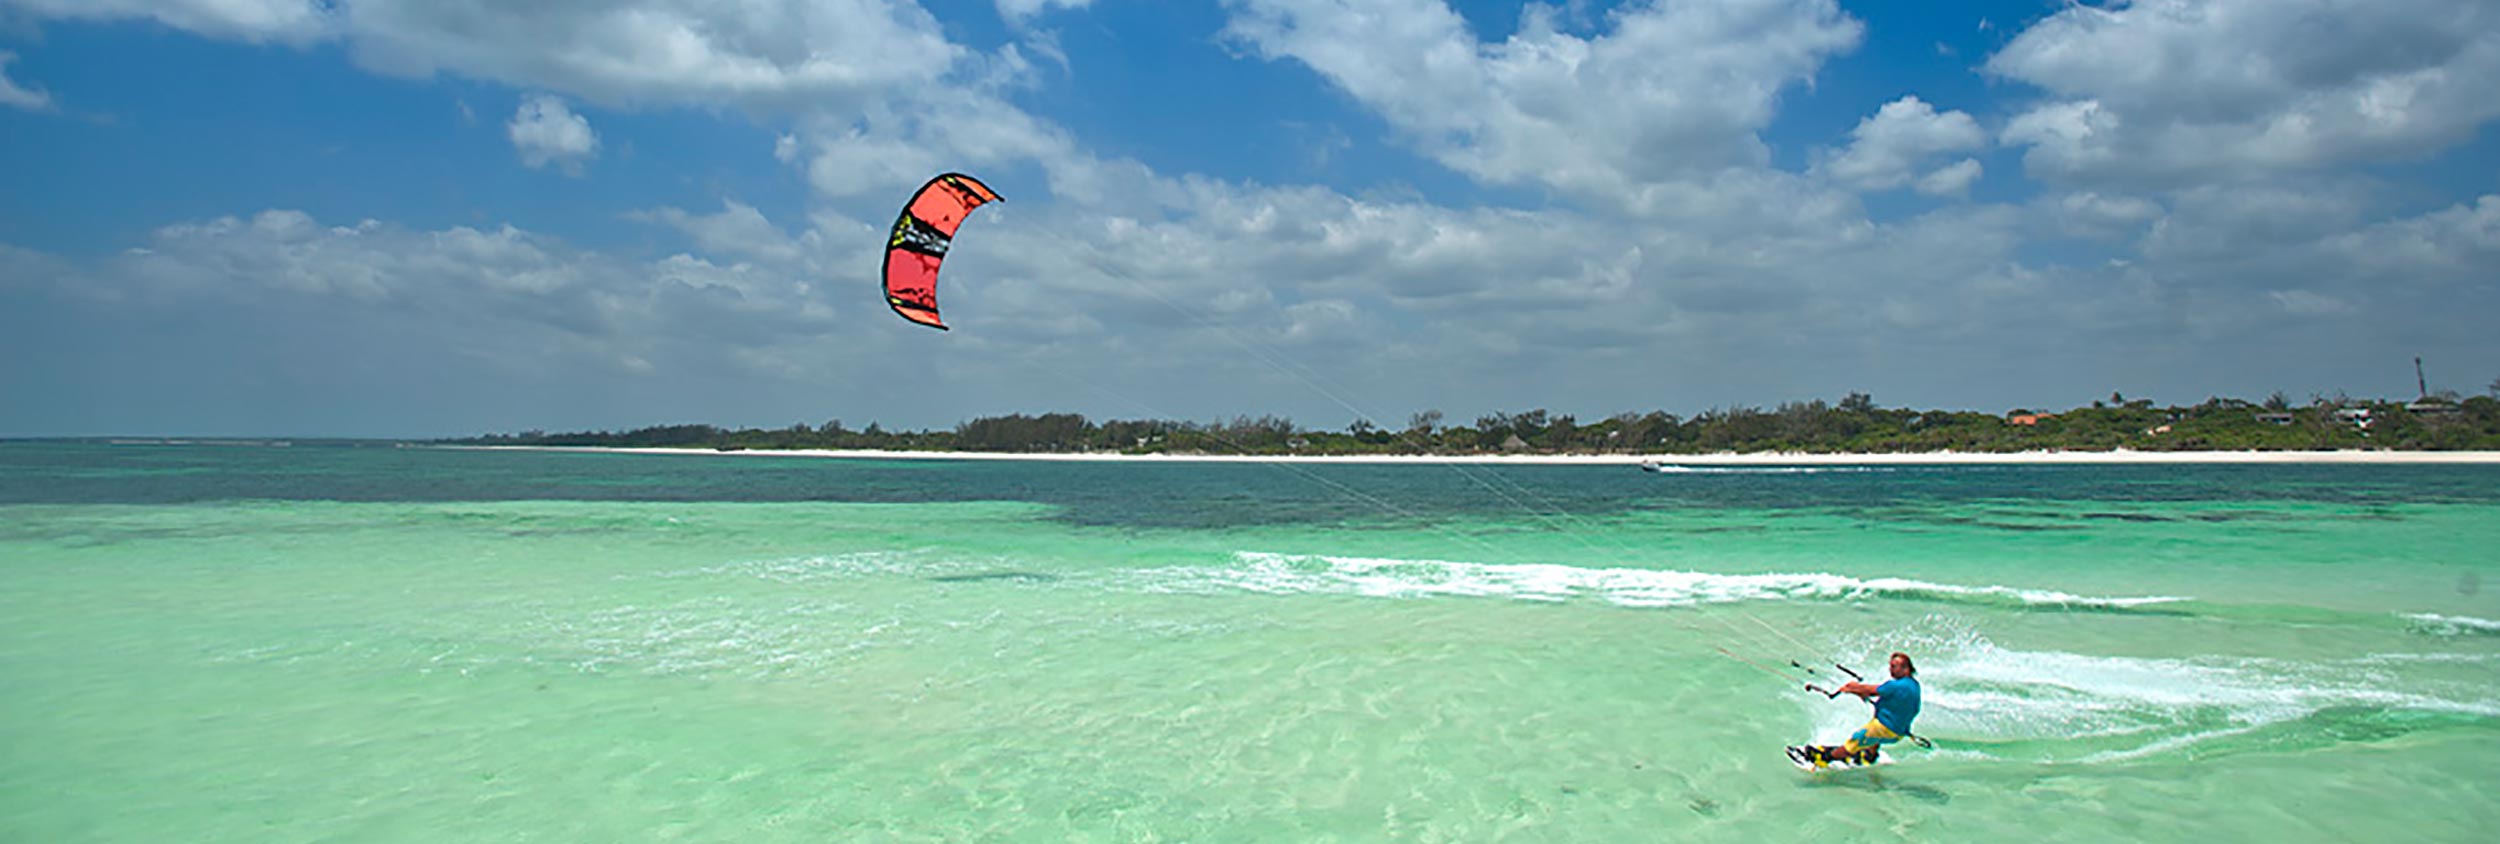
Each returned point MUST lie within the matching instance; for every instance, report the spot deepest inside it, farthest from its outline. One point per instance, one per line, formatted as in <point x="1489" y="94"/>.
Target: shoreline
<point x="1933" y="458"/>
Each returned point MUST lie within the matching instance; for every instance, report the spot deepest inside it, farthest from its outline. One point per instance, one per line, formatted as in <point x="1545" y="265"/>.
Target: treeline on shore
<point x="1853" y="425"/>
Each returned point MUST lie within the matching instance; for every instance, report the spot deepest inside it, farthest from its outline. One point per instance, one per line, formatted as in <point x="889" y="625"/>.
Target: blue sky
<point x="402" y="218"/>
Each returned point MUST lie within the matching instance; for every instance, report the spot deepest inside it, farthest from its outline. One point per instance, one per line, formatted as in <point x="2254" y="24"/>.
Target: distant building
<point x="2275" y="418"/>
<point x="2028" y="418"/>
<point x="2358" y="417"/>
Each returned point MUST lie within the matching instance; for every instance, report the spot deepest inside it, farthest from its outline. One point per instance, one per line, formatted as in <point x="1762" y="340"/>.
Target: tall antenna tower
<point x="2419" y="383"/>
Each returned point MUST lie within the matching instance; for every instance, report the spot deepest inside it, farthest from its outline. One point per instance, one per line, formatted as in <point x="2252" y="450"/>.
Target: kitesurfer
<point x="1896" y="705"/>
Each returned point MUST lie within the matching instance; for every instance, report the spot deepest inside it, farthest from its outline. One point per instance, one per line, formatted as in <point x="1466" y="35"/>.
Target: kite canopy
<point x="921" y="237"/>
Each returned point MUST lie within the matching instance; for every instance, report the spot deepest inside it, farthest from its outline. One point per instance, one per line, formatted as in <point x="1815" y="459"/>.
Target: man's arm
<point x="1860" y="689"/>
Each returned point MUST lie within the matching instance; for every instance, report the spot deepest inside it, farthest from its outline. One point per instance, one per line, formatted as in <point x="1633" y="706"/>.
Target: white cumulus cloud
<point x="2090" y="214"/>
<point x="1950" y="180"/>
<point x="880" y="68"/>
<point x="766" y="55"/>
<point x="1019" y="11"/>
<point x="1886" y="149"/>
<point x="738" y="230"/>
<point x="2458" y="245"/>
<point x="545" y="132"/>
<point x="2173" y="91"/>
<point x="1672" y="92"/>
<point x="14" y="95"/>
<point x="285" y="21"/>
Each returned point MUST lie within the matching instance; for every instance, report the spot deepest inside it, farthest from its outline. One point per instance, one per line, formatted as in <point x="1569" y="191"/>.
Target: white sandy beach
<point x="1726" y="459"/>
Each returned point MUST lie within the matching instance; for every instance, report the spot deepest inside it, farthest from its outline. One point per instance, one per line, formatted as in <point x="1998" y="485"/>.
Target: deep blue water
<point x="1177" y="494"/>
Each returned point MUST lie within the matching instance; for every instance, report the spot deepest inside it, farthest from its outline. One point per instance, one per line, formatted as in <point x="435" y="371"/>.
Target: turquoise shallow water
<point x="227" y="644"/>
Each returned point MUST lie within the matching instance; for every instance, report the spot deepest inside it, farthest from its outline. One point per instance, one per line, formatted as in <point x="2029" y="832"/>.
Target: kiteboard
<point x="1800" y="756"/>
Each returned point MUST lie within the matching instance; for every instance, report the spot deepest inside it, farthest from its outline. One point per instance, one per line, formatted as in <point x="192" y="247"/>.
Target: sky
<point x="411" y="218"/>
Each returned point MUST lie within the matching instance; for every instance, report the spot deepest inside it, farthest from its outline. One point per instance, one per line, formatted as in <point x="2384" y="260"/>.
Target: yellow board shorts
<point x="1874" y="734"/>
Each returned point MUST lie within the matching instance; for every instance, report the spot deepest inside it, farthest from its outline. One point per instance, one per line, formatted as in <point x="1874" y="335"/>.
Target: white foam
<point x="1274" y="573"/>
<point x="2164" y="745"/>
<point x="2035" y="597"/>
<point x="2118" y="708"/>
<point x="2428" y="658"/>
<point x="2453" y="624"/>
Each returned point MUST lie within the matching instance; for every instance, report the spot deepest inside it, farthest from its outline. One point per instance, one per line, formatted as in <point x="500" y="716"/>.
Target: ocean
<point x="372" y="644"/>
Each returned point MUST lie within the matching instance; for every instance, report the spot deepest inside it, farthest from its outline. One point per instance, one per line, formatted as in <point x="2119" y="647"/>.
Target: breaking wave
<point x="1394" y="578"/>
<point x="2453" y="625"/>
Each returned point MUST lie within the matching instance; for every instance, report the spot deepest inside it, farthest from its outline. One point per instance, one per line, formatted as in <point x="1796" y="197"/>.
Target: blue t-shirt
<point x="1896" y="704"/>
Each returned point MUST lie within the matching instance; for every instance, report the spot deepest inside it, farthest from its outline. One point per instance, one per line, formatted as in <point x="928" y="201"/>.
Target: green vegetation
<point x="1855" y="424"/>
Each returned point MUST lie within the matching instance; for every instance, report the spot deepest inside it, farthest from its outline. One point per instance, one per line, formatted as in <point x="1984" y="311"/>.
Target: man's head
<point x="1902" y="666"/>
